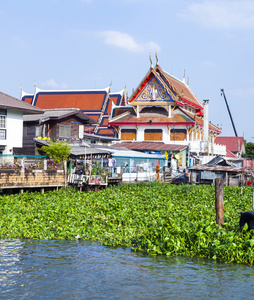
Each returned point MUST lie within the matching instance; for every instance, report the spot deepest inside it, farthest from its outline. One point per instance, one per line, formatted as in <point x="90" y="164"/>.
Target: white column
<point x="169" y="111"/>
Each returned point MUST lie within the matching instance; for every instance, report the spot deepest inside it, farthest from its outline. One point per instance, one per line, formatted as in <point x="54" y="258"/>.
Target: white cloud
<point x="125" y="41"/>
<point x="208" y="64"/>
<point x="221" y="14"/>
<point x="51" y="83"/>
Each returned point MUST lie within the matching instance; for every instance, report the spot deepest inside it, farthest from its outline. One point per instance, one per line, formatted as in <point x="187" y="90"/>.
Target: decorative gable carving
<point x="152" y="92"/>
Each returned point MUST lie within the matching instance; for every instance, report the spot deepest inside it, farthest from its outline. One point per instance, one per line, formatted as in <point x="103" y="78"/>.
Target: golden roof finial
<point x="34" y="84"/>
<point x="156" y="56"/>
<point x="20" y="88"/>
<point x="151" y="61"/>
<point x="109" y="88"/>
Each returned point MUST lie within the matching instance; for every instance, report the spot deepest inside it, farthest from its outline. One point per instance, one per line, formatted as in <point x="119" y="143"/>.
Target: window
<point x="3" y="114"/>
<point x="178" y="134"/>
<point x="153" y="135"/>
<point x="64" y="131"/>
<point x="38" y="131"/>
<point x="128" y="134"/>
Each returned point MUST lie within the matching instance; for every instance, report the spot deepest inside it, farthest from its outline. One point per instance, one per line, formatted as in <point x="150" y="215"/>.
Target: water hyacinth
<point x="154" y="218"/>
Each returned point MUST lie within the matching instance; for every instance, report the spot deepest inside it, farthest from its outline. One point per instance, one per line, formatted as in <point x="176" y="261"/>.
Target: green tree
<point x="249" y="150"/>
<point x="59" y="151"/>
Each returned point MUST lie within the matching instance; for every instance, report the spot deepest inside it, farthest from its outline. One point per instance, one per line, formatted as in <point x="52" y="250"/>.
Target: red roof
<point x="232" y="143"/>
<point x="230" y="154"/>
<point x="155" y="146"/>
<point x="178" y="90"/>
<point x="183" y="90"/>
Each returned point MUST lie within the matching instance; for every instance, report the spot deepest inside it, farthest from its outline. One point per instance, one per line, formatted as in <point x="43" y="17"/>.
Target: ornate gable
<point x="151" y="92"/>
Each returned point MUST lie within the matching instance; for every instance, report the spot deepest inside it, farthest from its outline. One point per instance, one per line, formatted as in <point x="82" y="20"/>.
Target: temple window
<point x="178" y="134"/>
<point x="128" y="134"/>
<point x="153" y="135"/>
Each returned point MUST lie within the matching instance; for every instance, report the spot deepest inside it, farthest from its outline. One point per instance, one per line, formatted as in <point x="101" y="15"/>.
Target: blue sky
<point x="86" y="44"/>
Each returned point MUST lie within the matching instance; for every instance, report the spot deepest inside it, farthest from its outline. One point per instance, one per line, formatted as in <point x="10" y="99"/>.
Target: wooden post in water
<point x="219" y="200"/>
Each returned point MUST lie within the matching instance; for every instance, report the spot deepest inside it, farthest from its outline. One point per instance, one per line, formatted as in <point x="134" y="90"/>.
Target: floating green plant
<point x="154" y="218"/>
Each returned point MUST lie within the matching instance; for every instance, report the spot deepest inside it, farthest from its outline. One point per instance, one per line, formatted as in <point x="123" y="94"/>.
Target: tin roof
<point x="56" y="114"/>
<point x="152" y="146"/>
<point x="121" y="152"/>
<point x="218" y="168"/>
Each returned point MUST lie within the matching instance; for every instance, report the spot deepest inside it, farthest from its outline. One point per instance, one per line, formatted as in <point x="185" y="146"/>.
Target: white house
<point x="11" y="122"/>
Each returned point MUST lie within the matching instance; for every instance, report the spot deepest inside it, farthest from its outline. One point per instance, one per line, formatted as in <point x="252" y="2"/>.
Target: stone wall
<point x="31" y="179"/>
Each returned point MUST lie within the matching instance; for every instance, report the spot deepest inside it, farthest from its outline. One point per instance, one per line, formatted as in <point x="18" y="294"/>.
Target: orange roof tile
<point x="86" y="100"/>
<point x="28" y="99"/>
<point x="116" y="98"/>
<point x="94" y="117"/>
<point x="108" y="132"/>
<point x="104" y="121"/>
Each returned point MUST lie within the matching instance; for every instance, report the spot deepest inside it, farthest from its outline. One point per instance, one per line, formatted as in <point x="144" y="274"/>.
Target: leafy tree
<point x="59" y="151"/>
<point x="249" y="150"/>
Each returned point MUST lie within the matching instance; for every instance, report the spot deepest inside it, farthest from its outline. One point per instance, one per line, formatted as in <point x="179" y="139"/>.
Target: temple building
<point x="95" y="103"/>
<point x="163" y="114"/>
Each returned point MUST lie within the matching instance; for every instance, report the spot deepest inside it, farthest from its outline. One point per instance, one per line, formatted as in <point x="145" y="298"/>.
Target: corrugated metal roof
<point x="153" y="146"/>
<point x="58" y="114"/>
<point x="218" y="160"/>
<point x="78" y="150"/>
<point x="218" y="168"/>
<point x="131" y="153"/>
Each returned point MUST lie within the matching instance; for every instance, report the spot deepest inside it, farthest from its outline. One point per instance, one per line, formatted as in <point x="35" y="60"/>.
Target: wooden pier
<point x="92" y="182"/>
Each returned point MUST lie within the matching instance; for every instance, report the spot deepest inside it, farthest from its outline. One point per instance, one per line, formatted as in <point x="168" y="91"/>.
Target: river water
<point x="31" y="269"/>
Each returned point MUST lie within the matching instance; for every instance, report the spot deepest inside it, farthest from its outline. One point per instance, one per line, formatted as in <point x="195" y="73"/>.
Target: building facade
<point x="52" y="125"/>
<point x="164" y="109"/>
<point x="95" y="103"/>
<point x="11" y="122"/>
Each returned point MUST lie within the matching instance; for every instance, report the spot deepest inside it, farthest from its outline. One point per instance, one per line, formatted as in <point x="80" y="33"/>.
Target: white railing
<point x="213" y="149"/>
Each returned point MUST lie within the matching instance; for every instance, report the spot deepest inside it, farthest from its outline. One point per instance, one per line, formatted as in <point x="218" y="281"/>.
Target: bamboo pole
<point x="219" y="200"/>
